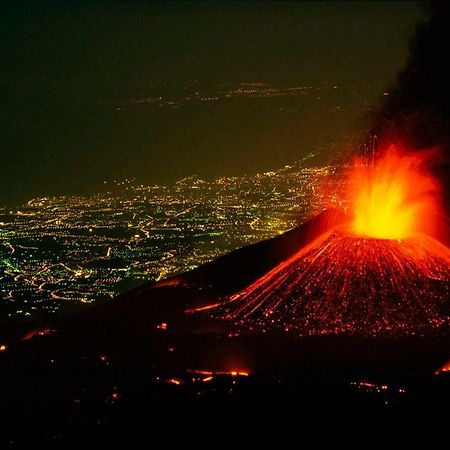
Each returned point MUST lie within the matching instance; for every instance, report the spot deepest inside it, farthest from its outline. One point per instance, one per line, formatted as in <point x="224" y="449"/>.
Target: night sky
<point x="69" y="71"/>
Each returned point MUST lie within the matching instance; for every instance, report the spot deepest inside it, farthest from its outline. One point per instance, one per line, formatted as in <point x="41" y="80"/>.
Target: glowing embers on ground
<point x="353" y="285"/>
<point x="395" y="197"/>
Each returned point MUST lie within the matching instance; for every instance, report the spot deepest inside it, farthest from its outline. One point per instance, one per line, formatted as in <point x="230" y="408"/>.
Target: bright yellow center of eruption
<point x="395" y="198"/>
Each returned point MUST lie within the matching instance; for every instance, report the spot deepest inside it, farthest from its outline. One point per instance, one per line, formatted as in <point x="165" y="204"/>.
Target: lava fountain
<point x="395" y="198"/>
<point x="383" y="273"/>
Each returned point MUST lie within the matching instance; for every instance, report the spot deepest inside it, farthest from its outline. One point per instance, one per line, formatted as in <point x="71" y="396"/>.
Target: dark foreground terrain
<point x="141" y="367"/>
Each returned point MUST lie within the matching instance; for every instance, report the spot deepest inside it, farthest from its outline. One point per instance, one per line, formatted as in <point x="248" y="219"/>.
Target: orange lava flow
<point x="395" y="198"/>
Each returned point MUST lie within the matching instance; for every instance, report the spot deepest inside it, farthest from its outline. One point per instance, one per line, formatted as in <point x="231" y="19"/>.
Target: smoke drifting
<point x="417" y="109"/>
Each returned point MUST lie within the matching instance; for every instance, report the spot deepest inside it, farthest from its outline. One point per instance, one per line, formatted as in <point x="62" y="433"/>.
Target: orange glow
<point x="395" y="198"/>
<point x="37" y="332"/>
<point x="201" y="372"/>
<point x="233" y="373"/>
<point x="201" y="308"/>
<point x="162" y="326"/>
<point x="444" y="368"/>
<point x="241" y="374"/>
<point x="3" y="348"/>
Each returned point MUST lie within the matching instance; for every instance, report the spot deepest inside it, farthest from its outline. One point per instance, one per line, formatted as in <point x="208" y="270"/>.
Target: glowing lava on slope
<point x="381" y="274"/>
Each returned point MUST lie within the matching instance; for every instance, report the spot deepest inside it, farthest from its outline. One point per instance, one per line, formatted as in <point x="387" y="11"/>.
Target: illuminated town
<point x="291" y="97"/>
<point x="56" y="250"/>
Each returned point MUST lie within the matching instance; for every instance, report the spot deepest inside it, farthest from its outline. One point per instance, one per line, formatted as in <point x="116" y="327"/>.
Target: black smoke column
<point x="417" y="110"/>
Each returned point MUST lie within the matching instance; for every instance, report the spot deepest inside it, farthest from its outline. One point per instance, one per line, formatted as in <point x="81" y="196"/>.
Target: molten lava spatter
<point x="394" y="198"/>
<point x="381" y="274"/>
<point x="344" y="284"/>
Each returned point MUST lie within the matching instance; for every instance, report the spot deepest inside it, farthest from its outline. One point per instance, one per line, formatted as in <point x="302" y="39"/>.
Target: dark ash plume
<point x="417" y="110"/>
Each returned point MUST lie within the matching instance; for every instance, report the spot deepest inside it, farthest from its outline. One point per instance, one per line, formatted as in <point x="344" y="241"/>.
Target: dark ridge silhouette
<point x="236" y="269"/>
<point x="140" y="366"/>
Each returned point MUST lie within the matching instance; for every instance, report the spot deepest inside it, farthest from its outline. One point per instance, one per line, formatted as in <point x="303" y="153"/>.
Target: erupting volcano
<point x="384" y="272"/>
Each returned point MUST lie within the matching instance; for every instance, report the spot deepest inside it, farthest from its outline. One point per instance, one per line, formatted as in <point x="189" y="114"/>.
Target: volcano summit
<point x="381" y="274"/>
